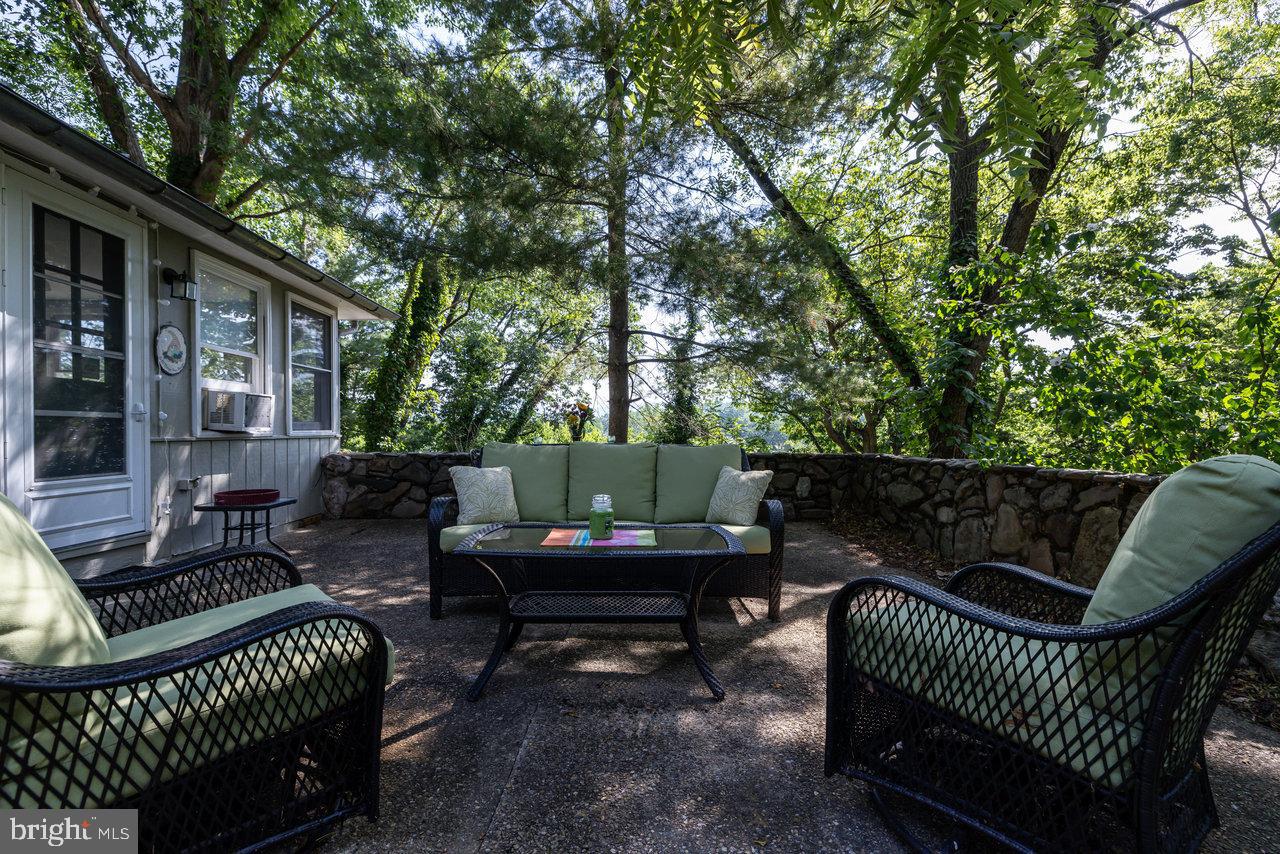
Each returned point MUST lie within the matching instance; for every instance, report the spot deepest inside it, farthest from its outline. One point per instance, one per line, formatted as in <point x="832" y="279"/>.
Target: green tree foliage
<point x="1035" y="231"/>
<point x="185" y="87"/>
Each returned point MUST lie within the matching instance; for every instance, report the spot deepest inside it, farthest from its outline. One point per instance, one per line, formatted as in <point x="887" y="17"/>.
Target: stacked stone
<point x="396" y="486"/>
<point x="1064" y="522"/>
<point x="810" y="486"/>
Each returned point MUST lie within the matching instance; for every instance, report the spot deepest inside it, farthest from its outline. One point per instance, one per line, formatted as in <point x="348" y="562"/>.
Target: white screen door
<point x="79" y="443"/>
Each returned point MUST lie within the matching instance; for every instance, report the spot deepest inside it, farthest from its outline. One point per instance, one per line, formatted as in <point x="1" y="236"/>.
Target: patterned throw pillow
<point x="484" y="495"/>
<point x="737" y="496"/>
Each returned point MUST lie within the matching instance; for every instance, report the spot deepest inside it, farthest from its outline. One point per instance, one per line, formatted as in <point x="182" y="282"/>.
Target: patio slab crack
<point x="511" y="774"/>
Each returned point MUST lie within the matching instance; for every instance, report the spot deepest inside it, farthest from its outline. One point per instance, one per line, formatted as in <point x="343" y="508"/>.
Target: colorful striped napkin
<point x="581" y="538"/>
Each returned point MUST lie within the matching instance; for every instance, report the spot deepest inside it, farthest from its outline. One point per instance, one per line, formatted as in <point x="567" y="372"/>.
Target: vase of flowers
<point x="576" y="417"/>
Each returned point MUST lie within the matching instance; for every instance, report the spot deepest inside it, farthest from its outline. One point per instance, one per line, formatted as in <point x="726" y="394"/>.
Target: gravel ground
<point x="604" y="738"/>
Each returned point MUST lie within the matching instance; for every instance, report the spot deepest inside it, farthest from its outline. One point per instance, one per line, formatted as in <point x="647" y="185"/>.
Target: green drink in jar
<point x="600" y="522"/>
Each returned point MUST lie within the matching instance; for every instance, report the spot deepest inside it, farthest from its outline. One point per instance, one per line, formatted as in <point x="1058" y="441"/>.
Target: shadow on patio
<point x="604" y="737"/>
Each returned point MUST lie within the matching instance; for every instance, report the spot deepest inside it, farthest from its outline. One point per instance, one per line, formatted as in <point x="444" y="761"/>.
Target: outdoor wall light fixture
<point x="180" y="286"/>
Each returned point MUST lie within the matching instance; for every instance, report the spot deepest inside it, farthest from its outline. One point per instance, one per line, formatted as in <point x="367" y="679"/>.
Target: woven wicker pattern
<point x="576" y="606"/>
<point x="136" y="598"/>
<point x="248" y="736"/>
<point x="990" y="702"/>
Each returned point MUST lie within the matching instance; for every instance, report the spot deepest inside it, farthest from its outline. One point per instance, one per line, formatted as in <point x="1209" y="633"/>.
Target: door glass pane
<point x="79" y="365"/>
<point x="57" y="240"/>
<point x="78" y="382"/>
<point x="91" y="253"/>
<point x="77" y="317"/>
<point x="309" y="337"/>
<point x="228" y="314"/>
<point x="216" y="365"/>
<point x="69" y="446"/>
<point x="311" y="399"/>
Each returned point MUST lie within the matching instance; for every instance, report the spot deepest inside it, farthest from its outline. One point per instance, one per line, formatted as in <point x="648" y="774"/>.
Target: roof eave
<point x="43" y="127"/>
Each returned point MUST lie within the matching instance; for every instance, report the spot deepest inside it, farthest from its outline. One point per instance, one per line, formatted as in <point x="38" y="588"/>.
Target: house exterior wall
<point x="178" y="450"/>
<point x="181" y="451"/>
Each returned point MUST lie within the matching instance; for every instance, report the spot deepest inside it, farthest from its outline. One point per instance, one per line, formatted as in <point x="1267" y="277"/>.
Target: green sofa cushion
<point x="44" y="619"/>
<point x="687" y="476"/>
<point x="1023" y="690"/>
<point x="755" y="538"/>
<point x="541" y="477"/>
<point x="135" y="738"/>
<point x="627" y="472"/>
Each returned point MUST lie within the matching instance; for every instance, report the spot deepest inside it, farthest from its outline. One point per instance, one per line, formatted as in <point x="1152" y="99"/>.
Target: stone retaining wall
<point x="1060" y="521"/>
<point x="389" y="486"/>
<point x="1064" y="522"/>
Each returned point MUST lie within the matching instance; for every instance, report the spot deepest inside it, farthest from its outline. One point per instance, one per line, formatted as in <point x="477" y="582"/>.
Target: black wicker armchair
<point x="227" y="727"/>
<point x="989" y="702"/>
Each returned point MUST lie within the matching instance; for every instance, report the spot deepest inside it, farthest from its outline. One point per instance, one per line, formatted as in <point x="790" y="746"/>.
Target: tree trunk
<point x="617" y="273"/>
<point x="949" y="431"/>
<point x="106" y="90"/>
<point x="826" y="253"/>
<point x="836" y="435"/>
<point x="971" y="336"/>
<point x="870" y="425"/>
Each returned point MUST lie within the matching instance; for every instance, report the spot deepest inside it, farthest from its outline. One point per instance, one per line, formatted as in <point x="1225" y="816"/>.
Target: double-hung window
<point x="232" y="309"/>
<point x="312" y="357"/>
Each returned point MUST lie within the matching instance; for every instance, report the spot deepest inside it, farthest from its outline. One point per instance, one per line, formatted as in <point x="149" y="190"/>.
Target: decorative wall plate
<point x="171" y="349"/>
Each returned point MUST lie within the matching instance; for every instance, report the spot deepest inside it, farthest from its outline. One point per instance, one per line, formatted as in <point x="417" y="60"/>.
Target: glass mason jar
<point x="601" y="518"/>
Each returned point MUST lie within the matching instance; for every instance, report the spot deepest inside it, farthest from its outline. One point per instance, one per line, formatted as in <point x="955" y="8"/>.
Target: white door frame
<point x="73" y="511"/>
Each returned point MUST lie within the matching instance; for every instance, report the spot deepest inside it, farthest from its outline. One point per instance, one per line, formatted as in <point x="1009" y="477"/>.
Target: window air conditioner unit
<point x="237" y="411"/>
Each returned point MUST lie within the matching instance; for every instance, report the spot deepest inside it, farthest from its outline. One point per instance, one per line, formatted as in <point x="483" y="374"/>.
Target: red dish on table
<point x="241" y="497"/>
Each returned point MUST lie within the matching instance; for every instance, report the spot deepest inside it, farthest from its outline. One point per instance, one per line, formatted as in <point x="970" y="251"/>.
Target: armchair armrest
<point x="771" y="515"/>
<point x="441" y="513"/>
<point x="117" y="728"/>
<point x="44" y="679"/>
<point x="137" y="597"/>
<point x="1021" y="592"/>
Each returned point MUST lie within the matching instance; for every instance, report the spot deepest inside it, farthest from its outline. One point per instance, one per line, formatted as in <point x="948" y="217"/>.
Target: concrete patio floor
<point x="604" y="738"/>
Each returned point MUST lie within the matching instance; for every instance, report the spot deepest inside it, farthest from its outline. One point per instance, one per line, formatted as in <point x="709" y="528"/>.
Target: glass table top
<point x="529" y="540"/>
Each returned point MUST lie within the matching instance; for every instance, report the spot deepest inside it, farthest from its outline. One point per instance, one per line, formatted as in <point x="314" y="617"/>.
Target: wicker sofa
<point x="662" y="484"/>
<point x="232" y="705"/>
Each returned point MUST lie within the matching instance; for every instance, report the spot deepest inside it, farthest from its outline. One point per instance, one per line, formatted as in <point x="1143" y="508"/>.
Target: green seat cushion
<point x="541" y="477"/>
<point x="1195" y="520"/>
<point x="687" y="476"/>
<point x="44" y="619"/>
<point x="755" y="538"/>
<point x="194" y="627"/>
<point x="129" y="739"/>
<point x="627" y="472"/>
<point x="450" y="537"/>
<point x="1025" y="691"/>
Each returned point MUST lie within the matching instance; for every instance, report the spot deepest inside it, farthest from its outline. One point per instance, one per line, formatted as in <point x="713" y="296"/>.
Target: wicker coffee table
<point x="662" y="583"/>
